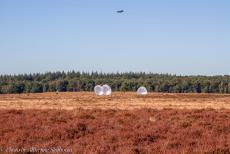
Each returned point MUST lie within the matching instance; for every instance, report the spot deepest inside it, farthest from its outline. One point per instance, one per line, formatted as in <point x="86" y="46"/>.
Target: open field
<point x="88" y="100"/>
<point x="117" y="131"/>
<point x="121" y="123"/>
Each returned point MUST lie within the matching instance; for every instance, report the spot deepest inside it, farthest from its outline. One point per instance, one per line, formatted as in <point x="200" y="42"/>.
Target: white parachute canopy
<point x="142" y="91"/>
<point x="98" y="90"/>
<point x="106" y="89"/>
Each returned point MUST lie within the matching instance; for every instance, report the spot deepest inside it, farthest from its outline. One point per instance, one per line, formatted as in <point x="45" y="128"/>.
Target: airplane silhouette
<point x="120" y="11"/>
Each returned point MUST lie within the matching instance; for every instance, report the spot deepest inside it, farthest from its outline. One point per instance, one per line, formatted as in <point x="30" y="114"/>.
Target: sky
<point x="161" y="36"/>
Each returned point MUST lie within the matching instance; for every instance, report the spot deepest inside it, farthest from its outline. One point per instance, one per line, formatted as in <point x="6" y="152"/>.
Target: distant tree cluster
<point x="82" y="81"/>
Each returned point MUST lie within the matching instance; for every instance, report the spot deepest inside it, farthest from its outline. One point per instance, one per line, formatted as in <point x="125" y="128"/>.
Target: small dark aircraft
<point x="120" y="11"/>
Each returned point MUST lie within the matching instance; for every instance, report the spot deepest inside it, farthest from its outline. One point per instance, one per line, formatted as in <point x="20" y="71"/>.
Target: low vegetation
<point x="118" y="131"/>
<point x="118" y="100"/>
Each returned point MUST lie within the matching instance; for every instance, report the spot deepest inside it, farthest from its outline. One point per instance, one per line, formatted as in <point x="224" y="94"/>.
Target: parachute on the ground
<point x="98" y="90"/>
<point x="106" y="89"/>
<point x="142" y="91"/>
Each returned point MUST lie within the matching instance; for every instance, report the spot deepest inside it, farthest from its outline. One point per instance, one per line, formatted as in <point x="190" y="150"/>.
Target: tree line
<point x="130" y="81"/>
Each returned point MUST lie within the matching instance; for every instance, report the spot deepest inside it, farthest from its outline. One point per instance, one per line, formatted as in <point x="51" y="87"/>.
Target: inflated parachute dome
<point x="106" y="89"/>
<point x="142" y="91"/>
<point x="98" y="90"/>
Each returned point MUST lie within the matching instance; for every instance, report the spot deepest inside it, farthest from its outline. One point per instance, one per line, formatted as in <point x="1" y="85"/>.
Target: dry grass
<point x="88" y="100"/>
<point x="118" y="131"/>
<point x="121" y="123"/>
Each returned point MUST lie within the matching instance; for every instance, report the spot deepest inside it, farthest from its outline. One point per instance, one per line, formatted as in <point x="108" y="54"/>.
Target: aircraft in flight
<point x="120" y="11"/>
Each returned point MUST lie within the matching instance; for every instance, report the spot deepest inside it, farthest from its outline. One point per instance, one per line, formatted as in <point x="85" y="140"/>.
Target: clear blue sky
<point x="187" y="37"/>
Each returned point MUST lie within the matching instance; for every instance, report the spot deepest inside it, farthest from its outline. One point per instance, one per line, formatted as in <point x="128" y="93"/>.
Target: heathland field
<point x="120" y="123"/>
<point x="118" y="100"/>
